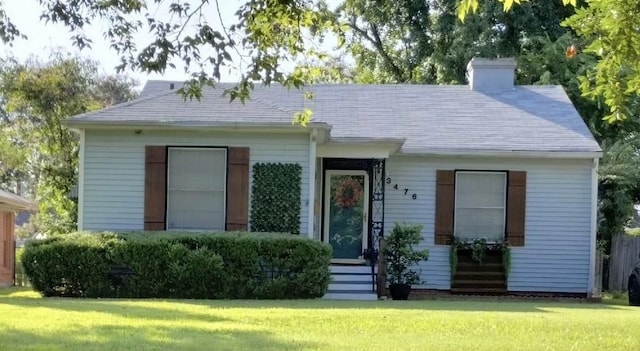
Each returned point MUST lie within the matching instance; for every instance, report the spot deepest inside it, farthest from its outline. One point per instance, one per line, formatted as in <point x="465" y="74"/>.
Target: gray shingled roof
<point x="430" y="118"/>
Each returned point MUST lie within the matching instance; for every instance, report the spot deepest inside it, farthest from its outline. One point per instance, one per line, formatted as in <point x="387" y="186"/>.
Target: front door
<point x="346" y="202"/>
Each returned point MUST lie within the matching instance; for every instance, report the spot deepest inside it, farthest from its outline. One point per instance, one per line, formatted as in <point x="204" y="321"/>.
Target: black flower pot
<point x="400" y="291"/>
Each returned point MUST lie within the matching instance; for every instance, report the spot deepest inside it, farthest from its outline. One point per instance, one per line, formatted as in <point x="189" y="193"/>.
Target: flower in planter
<point x="479" y="247"/>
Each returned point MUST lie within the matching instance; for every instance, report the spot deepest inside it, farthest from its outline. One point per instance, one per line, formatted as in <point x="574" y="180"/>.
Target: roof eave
<point x="281" y="126"/>
<point x="15" y="203"/>
<point x="507" y="153"/>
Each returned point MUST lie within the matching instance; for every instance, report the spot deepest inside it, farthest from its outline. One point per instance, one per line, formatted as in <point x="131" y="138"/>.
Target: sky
<point x="44" y="37"/>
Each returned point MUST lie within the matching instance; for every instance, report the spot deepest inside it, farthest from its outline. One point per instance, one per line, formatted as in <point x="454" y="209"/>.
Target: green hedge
<point x="180" y="265"/>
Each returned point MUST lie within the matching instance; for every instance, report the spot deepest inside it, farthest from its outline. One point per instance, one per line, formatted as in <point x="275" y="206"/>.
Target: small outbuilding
<point x="9" y="205"/>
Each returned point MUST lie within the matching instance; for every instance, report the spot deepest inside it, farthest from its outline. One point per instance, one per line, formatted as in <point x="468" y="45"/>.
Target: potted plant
<point x="400" y="256"/>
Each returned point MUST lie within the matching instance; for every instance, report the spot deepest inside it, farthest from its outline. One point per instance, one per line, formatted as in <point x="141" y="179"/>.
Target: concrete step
<point x="335" y="269"/>
<point x="350" y="296"/>
<point x="368" y="286"/>
<point x="340" y="278"/>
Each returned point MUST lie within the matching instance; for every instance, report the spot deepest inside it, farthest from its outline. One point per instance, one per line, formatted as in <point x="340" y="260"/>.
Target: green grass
<point x="616" y="298"/>
<point x="633" y="231"/>
<point x="28" y="322"/>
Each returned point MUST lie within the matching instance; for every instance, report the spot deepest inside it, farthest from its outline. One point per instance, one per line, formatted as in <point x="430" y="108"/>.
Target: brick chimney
<point x="491" y="74"/>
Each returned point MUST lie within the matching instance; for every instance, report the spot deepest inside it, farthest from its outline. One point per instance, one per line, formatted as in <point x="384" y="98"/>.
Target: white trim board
<point x="594" y="225"/>
<point x="354" y="150"/>
<point x="81" y="162"/>
<point x="311" y="201"/>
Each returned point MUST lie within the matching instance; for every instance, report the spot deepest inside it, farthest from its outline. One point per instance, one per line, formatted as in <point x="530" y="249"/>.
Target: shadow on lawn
<point x="159" y="325"/>
<point x="135" y="308"/>
<point x="424" y="305"/>
<point x="114" y="337"/>
<point x="115" y="307"/>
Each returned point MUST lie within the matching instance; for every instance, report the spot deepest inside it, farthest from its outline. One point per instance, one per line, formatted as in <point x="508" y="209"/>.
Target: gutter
<point x="505" y="153"/>
<point x="283" y="126"/>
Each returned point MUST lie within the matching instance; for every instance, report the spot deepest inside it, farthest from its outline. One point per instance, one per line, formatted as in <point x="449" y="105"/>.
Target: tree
<point x="42" y="154"/>
<point x="619" y="186"/>
<point x="424" y="42"/>
<point x="390" y="40"/>
<point x="465" y="7"/>
<point x="192" y="33"/>
<point x="610" y="28"/>
<point x="268" y="33"/>
<point x="543" y="61"/>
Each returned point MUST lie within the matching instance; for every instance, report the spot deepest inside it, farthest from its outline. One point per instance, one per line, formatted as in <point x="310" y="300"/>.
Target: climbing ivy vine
<point x="275" y="197"/>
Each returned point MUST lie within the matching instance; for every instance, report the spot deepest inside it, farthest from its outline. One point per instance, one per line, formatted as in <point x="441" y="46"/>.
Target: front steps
<point x="473" y="278"/>
<point x="351" y="282"/>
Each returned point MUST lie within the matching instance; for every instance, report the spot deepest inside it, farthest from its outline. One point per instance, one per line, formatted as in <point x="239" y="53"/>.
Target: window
<point x="196" y="179"/>
<point x="480" y="201"/>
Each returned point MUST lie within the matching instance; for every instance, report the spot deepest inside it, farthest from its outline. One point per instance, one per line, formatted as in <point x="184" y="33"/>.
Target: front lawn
<point x="28" y="322"/>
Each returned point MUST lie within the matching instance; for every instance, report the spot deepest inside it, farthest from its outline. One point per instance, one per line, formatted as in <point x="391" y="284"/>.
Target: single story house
<point x="487" y="159"/>
<point x="9" y="205"/>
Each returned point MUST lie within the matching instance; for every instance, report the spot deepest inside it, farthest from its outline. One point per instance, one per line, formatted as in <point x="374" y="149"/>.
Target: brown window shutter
<point x="155" y="187"/>
<point x="7" y="225"/>
<point x="445" y="196"/>
<point x="237" y="188"/>
<point x="516" y="207"/>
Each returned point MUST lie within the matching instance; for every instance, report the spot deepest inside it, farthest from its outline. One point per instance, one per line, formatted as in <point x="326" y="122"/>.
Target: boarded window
<point x="196" y="180"/>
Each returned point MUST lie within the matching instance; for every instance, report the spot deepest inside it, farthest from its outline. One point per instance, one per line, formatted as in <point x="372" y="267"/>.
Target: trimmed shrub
<point x="75" y="265"/>
<point x="180" y="265"/>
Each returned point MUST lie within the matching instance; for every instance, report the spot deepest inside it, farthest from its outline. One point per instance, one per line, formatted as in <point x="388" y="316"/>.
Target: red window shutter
<point x="516" y="207"/>
<point x="155" y="187"/>
<point x="237" y="188"/>
<point x="445" y="196"/>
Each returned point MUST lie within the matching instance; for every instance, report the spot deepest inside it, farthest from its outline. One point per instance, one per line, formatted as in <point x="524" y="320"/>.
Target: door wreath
<point x="347" y="193"/>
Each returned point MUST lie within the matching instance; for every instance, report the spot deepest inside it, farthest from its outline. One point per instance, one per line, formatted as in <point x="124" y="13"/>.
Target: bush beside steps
<point x="232" y="265"/>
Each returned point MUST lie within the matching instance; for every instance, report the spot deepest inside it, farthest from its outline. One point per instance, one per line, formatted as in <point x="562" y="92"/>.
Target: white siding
<point x="555" y="257"/>
<point x="114" y="169"/>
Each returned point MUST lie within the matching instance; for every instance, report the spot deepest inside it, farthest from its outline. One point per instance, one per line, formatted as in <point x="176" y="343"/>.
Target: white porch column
<point x="81" y="180"/>
<point x="311" y="202"/>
